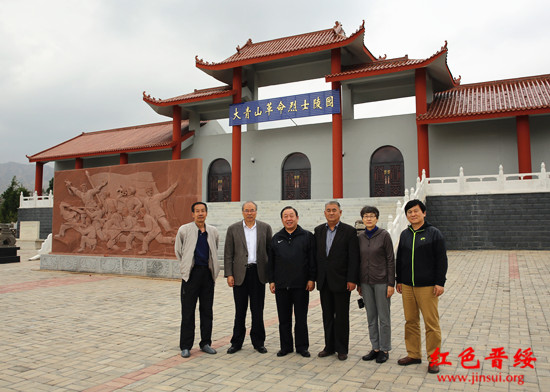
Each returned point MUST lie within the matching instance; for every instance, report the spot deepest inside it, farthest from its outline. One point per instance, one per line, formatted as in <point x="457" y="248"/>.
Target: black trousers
<point x="199" y="286"/>
<point x="255" y="290"/>
<point x="287" y="299"/>
<point x="335" y="319"/>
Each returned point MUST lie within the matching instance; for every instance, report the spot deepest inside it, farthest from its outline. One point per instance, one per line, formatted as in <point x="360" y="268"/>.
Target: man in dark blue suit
<point x="337" y="276"/>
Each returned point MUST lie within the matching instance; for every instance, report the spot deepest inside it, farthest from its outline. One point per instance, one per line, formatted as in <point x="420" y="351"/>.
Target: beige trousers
<point x="421" y="299"/>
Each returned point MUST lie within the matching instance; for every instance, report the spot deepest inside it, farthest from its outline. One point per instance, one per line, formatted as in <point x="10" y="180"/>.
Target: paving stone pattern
<point x="63" y="331"/>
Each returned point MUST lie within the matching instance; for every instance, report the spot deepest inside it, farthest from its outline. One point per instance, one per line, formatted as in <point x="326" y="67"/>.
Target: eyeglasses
<point x="369" y="216"/>
<point x="249" y="211"/>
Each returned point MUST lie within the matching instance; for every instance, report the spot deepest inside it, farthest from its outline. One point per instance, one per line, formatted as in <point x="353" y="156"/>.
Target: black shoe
<point x="261" y="349"/>
<point x="382" y="356"/>
<point x="282" y="353"/>
<point x="325" y="353"/>
<point x="342" y="356"/>
<point x="233" y="350"/>
<point x="304" y="353"/>
<point x="370" y="356"/>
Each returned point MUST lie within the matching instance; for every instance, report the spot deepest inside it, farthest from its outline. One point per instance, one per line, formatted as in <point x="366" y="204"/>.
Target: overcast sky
<point x="72" y="66"/>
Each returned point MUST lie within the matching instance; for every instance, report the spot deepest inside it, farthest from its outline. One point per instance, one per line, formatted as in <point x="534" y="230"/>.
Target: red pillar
<point x="422" y="130"/>
<point x="236" y="140"/>
<point x="78" y="163"/>
<point x="176" y="132"/>
<point x="38" y="178"/>
<point x="337" y="149"/>
<point x="123" y="158"/>
<point x="524" y="144"/>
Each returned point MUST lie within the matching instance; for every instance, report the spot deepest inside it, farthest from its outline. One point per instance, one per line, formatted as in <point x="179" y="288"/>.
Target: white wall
<point x="480" y="147"/>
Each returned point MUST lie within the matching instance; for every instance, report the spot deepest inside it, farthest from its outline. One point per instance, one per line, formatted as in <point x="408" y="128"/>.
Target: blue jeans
<point x="377" y="305"/>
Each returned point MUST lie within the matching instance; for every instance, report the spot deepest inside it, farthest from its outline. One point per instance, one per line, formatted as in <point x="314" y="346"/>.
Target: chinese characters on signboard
<point x="283" y="108"/>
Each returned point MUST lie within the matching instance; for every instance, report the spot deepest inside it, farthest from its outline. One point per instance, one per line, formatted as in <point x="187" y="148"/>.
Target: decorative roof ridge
<point x="395" y="59"/>
<point x="444" y="49"/>
<point x="497" y="82"/>
<point x="153" y="100"/>
<point x="385" y="60"/>
<point x="247" y="43"/>
<point x="337" y="30"/>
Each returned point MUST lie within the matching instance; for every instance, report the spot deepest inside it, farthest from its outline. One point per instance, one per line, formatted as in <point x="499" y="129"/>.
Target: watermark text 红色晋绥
<point x="522" y="359"/>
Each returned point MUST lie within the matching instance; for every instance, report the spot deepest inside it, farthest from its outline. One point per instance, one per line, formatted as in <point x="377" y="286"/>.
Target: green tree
<point x="50" y="187"/>
<point x="10" y="201"/>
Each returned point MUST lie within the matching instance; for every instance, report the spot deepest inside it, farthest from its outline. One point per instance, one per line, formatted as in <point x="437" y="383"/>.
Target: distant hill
<point x="25" y="175"/>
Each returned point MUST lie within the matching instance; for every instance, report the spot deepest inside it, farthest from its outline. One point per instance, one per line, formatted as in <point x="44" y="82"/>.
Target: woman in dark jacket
<point x="377" y="277"/>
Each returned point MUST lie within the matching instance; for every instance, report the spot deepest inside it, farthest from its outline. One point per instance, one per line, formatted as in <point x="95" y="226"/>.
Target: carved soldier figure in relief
<point x="153" y="232"/>
<point x="154" y="208"/>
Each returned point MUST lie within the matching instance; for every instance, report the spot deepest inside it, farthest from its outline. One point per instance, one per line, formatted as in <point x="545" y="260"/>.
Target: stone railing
<point x="490" y="184"/>
<point x="467" y="185"/>
<point x="36" y="201"/>
<point x="397" y="225"/>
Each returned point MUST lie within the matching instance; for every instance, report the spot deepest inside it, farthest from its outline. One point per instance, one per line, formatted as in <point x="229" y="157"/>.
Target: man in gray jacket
<point x="246" y="248"/>
<point x="197" y="250"/>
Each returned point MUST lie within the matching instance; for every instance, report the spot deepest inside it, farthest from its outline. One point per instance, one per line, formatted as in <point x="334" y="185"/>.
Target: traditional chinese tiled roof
<point x="251" y="53"/>
<point x="499" y="98"/>
<point x="197" y="95"/>
<point x="383" y="65"/>
<point x="114" y="141"/>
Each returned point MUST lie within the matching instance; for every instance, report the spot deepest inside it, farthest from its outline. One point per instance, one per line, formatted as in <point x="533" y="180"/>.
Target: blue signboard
<point x="293" y="106"/>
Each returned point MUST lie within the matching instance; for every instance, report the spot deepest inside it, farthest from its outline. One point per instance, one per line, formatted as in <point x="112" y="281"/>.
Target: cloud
<point x="68" y="66"/>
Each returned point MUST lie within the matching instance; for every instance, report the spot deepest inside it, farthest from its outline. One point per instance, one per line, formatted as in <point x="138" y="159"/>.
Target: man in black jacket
<point x="337" y="276"/>
<point x="291" y="273"/>
<point x="421" y="268"/>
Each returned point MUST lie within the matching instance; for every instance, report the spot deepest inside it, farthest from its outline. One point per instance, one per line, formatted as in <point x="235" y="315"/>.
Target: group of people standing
<point x="293" y="261"/>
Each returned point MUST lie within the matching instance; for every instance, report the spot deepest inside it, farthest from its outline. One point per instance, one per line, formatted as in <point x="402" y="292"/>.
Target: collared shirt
<point x="251" y="235"/>
<point x="202" y="251"/>
<point x="330" y="236"/>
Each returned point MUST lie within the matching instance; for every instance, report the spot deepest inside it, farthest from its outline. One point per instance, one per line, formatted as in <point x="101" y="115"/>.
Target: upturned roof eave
<point x="430" y="63"/>
<point x="178" y="102"/>
<point x="226" y="65"/>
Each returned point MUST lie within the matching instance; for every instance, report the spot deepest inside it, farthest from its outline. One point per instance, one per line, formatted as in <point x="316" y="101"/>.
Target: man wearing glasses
<point x="245" y="261"/>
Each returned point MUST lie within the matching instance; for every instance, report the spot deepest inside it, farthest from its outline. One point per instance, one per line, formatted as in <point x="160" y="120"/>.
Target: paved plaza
<point x="63" y="331"/>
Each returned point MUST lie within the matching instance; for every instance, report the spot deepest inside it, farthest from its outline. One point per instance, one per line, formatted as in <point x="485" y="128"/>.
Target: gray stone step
<point x="310" y="212"/>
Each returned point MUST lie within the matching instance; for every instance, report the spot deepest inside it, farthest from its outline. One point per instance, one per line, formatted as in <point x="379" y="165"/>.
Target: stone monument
<point x="124" y="218"/>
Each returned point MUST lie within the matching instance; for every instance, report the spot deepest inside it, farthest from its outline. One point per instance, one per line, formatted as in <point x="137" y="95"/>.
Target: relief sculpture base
<point x="115" y="265"/>
<point x="112" y="216"/>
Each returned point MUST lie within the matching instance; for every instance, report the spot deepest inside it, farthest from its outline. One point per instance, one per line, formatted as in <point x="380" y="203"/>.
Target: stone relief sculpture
<point x="111" y="210"/>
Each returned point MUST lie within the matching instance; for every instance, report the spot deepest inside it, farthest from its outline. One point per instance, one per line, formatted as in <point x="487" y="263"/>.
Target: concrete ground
<point x="78" y="332"/>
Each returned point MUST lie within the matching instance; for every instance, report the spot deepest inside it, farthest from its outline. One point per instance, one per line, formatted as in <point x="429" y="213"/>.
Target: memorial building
<point x="476" y="126"/>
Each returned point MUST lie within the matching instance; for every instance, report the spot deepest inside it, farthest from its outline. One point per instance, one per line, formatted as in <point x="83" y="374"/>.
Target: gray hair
<point x="332" y="202"/>
<point x="249" y="201"/>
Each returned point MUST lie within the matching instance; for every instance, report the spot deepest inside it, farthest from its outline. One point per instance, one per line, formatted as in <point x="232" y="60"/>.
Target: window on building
<point x="219" y="181"/>
<point x="296" y="177"/>
<point x="387" y="172"/>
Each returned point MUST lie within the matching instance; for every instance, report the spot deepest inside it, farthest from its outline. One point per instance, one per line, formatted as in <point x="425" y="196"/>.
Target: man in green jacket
<point x="421" y="266"/>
